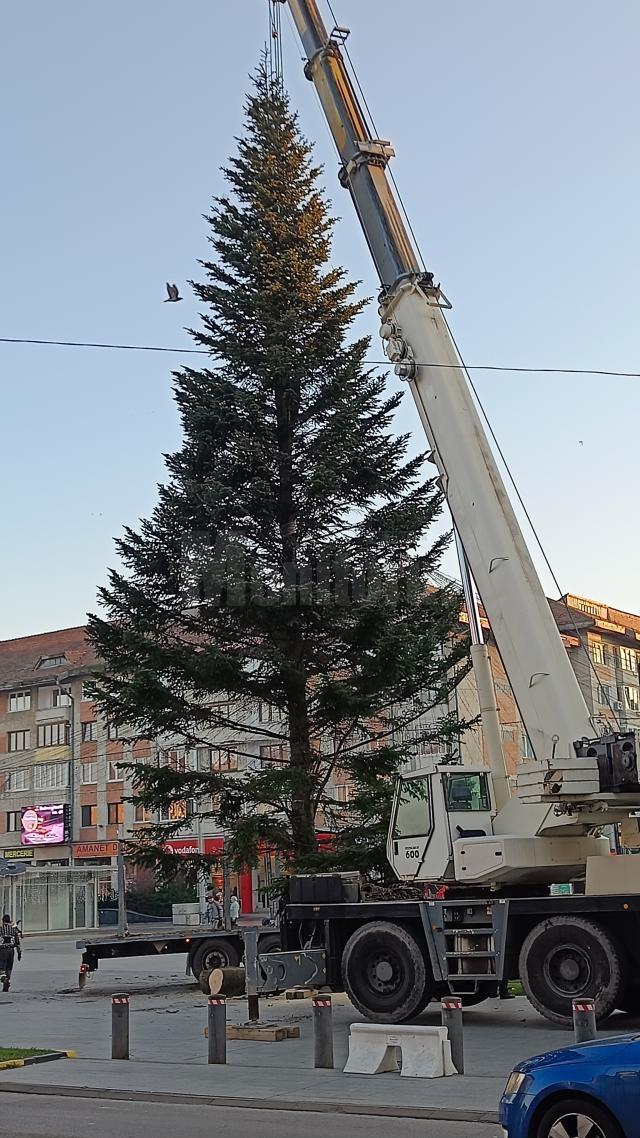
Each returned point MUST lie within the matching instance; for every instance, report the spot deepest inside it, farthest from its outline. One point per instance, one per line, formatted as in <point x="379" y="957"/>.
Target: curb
<point x="33" y="1060"/>
<point x="436" y="1114"/>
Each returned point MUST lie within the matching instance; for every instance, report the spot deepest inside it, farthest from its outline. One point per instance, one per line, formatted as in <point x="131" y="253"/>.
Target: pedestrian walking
<point x="10" y="947"/>
<point x="234" y="908"/>
<point x="215" y="910"/>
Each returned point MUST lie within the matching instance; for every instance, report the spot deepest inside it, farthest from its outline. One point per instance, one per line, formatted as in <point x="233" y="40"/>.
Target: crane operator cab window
<point x="467" y="792"/>
<point x="413" y="809"/>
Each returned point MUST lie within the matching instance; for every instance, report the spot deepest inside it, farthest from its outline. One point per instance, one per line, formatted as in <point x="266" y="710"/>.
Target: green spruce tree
<point x="285" y="562"/>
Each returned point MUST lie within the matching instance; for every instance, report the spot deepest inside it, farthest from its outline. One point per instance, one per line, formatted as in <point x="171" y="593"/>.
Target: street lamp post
<point x="65" y="693"/>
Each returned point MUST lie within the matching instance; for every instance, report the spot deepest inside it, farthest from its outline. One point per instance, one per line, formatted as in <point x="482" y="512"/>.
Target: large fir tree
<point x="285" y="560"/>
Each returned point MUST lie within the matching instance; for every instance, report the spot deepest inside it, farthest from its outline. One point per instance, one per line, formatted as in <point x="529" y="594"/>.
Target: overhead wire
<point x="516" y="368"/>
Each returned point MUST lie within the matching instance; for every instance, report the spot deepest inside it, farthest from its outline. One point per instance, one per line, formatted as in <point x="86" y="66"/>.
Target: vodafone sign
<point x="182" y="845"/>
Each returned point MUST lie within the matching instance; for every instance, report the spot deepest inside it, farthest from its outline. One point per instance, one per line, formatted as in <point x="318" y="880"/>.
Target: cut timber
<point x="289" y="1032"/>
<point x="300" y="993"/>
<point x="258" y="1032"/>
<point x="227" y="982"/>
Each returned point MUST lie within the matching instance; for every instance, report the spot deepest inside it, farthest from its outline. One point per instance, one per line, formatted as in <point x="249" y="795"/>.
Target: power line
<point x="91" y="344"/>
<point x="517" y="368"/>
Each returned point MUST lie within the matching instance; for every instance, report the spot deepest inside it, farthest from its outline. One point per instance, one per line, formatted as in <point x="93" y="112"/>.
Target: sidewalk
<point x="468" y="1098"/>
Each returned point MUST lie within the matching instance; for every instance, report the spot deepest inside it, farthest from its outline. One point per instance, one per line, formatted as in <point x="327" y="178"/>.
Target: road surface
<point x="39" y="1116"/>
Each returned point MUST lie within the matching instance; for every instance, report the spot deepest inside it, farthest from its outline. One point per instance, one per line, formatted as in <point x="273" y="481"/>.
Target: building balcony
<point x="53" y="714"/>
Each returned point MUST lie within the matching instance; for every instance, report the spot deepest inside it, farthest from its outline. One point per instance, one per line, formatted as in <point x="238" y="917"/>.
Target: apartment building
<point x="606" y="658"/>
<point x="41" y="714"/>
<point x="63" y="790"/>
<point x="62" y="786"/>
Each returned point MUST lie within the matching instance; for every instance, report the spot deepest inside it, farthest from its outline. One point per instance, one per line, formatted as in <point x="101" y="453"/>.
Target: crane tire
<point x="567" y="958"/>
<point x="214" y="953"/>
<point x="271" y="942"/>
<point x="386" y="973"/>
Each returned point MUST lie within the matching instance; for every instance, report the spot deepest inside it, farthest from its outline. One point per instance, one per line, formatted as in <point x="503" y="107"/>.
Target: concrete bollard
<point x="452" y="1020"/>
<point x="217" y="1020"/>
<point x="120" y="1027"/>
<point x="322" y="1031"/>
<point x="584" y="1020"/>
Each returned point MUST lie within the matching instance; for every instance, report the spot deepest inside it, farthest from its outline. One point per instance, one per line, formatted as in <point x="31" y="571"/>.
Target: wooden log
<point x="226" y="982"/>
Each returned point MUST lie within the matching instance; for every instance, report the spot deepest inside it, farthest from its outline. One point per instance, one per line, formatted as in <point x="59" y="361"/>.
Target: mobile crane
<point x="462" y="827"/>
<point x="459" y="827"/>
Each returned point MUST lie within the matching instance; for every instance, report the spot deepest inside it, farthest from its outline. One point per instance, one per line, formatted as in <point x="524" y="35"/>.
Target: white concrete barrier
<point x="425" y="1051"/>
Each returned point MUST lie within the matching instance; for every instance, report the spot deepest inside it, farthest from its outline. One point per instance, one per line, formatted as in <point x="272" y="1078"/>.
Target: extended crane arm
<point x="417" y="339"/>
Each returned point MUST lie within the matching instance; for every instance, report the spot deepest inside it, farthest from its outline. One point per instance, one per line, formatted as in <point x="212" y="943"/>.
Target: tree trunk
<point x="303" y="828"/>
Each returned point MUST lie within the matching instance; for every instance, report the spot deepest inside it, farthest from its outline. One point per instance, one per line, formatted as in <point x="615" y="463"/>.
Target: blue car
<point x="590" y="1090"/>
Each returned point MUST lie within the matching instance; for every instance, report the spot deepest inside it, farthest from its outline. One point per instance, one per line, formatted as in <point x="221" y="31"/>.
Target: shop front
<point x="52" y="899"/>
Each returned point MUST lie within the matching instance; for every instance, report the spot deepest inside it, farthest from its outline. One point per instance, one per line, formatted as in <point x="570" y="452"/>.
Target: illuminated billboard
<point x="45" y="825"/>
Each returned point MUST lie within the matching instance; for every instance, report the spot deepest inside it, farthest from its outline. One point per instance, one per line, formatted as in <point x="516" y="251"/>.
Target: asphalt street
<point x="38" y="1116"/>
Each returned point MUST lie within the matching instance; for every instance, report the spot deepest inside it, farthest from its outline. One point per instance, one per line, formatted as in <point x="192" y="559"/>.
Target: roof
<point x="19" y="659"/>
<point x="569" y="619"/>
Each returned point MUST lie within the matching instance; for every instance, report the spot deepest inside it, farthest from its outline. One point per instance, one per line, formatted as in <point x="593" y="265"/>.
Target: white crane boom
<point x="547" y="832"/>
<point x="418" y="340"/>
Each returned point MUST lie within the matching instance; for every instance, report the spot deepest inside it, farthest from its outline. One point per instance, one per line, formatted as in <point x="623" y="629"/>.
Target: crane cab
<point x="432" y="809"/>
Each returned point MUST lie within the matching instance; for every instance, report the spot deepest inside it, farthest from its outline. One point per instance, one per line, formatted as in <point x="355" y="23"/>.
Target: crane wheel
<point x="214" y="953"/>
<point x="570" y="958"/>
<point x="386" y="973"/>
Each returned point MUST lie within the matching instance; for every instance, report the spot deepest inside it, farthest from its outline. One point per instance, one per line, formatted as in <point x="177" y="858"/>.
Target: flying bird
<point x="172" y="293"/>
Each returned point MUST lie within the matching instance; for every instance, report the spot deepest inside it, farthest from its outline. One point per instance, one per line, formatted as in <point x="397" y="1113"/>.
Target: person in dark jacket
<point x="10" y="947"/>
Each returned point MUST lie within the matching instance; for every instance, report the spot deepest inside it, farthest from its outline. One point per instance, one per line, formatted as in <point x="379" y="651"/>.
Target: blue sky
<point x="516" y="132"/>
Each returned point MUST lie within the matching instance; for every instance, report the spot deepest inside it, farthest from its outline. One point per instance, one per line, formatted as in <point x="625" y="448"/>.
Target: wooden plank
<point x="258" y="1032"/>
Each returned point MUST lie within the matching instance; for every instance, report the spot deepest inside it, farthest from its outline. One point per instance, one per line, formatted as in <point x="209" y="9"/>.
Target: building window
<point x="597" y="652"/>
<point x="20" y="701"/>
<point x="116" y="773"/>
<point x="223" y="760"/>
<point x="176" y="812"/>
<point x="586" y="606"/>
<point x="629" y="659"/>
<point x="50" y="776"/>
<point x="527" y="749"/>
<point x="343" y="792"/>
<point x="144" y="814"/>
<point x="89" y="731"/>
<point x="273" y="753"/>
<point x="269" y="713"/>
<point x="52" y="661"/>
<point x="203" y="758"/>
<point x="85" y="694"/>
<point x="631" y="698"/>
<point x="18" y="780"/>
<point x="175" y="759"/>
<point x="89" y="772"/>
<point x="19" y="740"/>
<point x="13" y="821"/>
<point x="115" y="813"/>
<point x="88" y="815"/>
<point x="112" y="732"/>
<point x="53" y="697"/>
<point x="53" y="734"/>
